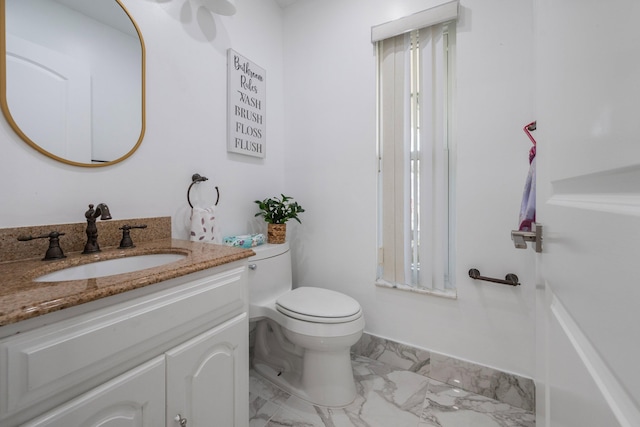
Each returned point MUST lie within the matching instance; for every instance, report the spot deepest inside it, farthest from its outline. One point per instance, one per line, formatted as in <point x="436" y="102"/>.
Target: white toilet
<point x="303" y="335"/>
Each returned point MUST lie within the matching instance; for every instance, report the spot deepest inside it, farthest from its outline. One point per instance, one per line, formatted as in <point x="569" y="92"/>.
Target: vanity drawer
<point x="61" y="360"/>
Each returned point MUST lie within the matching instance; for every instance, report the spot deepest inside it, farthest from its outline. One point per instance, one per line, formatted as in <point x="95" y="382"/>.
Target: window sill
<point x="447" y="293"/>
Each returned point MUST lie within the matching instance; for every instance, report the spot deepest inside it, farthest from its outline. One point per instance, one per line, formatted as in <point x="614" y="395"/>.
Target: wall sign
<point x="246" y="85"/>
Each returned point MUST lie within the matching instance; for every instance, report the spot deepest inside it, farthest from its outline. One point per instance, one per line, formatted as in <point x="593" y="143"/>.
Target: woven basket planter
<point x="276" y="233"/>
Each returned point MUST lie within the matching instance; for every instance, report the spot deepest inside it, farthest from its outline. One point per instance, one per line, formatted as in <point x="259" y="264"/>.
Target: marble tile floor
<point x="387" y="397"/>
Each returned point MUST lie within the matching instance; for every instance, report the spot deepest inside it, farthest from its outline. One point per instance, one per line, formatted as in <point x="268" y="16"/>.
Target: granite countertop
<point x="21" y="298"/>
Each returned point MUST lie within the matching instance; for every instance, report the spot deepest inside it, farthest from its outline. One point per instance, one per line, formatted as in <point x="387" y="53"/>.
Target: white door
<point x="208" y="378"/>
<point x="49" y="98"/>
<point x="588" y="112"/>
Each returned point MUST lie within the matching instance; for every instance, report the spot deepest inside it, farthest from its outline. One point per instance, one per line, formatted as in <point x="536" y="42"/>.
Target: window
<point x="414" y="110"/>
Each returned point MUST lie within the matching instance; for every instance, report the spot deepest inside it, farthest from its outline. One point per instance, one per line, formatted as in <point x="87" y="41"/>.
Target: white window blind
<point x="445" y="12"/>
<point x="414" y="88"/>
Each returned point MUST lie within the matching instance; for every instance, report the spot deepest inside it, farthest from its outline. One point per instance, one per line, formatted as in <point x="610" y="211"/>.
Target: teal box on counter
<point x="244" y="241"/>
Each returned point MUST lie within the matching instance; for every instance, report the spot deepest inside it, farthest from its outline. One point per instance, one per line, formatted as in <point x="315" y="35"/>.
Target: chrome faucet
<point x="101" y="211"/>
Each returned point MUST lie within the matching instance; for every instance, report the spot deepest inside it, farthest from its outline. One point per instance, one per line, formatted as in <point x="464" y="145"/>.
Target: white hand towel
<point x="204" y="227"/>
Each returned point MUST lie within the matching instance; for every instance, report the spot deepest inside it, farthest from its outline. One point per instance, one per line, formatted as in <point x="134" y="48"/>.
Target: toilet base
<point x="321" y="377"/>
<point x="290" y="383"/>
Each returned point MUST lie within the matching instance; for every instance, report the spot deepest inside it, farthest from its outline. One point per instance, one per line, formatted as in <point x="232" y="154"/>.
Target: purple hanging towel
<point x="528" y="205"/>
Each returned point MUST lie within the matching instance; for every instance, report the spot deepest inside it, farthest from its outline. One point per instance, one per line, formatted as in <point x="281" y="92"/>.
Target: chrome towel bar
<point x="510" y="279"/>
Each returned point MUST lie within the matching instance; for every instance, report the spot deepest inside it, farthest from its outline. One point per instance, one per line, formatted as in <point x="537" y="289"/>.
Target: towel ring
<point x="196" y="178"/>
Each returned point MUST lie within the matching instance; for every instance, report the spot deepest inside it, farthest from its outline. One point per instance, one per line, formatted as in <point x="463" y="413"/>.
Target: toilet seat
<point x="318" y="305"/>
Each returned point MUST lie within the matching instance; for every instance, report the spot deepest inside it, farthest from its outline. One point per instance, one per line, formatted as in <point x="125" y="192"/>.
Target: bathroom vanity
<point x="164" y="346"/>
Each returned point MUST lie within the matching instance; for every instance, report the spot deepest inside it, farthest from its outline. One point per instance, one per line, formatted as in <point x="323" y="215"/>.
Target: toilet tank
<point x="269" y="273"/>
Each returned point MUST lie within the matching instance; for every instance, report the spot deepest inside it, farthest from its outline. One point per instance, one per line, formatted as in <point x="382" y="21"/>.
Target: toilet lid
<point x="318" y="305"/>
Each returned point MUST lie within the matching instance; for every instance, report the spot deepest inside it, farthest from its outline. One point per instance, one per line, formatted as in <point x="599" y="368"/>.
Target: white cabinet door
<point x="133" y="399"/>
<point x="208" y="377"/>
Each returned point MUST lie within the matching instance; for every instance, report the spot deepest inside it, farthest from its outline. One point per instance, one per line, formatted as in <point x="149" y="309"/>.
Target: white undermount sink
<point x="110" y="267"/>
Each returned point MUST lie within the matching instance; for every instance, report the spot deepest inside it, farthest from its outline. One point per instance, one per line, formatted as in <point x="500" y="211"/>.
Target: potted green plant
<point x="276" y="211"/>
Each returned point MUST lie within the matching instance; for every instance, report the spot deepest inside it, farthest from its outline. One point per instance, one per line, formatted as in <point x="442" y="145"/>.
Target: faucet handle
<point x="126" y="241"/>
<point x="54" y="251"/>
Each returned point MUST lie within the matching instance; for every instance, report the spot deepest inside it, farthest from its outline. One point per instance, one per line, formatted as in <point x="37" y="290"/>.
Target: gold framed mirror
<point x="73" y="78"/>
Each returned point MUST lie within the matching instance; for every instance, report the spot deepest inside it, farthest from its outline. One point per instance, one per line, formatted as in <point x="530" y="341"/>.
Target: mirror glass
<point x="73" y="78"/>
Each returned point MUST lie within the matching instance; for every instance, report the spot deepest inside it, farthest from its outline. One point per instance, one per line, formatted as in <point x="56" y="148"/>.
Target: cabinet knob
<point x="252" y="266"/>
<point x="181" y="421"/>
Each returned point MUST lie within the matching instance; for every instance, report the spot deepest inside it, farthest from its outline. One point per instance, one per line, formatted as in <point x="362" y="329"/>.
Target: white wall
<point x="331" y="168"/>
<point x="186" y="127"/>
<point x="329" y="164"/>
